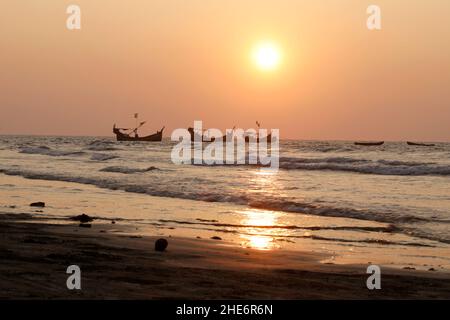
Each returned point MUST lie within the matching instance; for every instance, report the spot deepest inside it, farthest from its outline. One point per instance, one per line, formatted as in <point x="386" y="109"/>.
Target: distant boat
<point x="268" y="138"/>
<point x="378" y="143"/>
<point x="127" y="137"/>
<point x="125" y="134"/>
<point x="197" y="137"/>
<point x="204" y="138"/>
<point x="420" y="144"/>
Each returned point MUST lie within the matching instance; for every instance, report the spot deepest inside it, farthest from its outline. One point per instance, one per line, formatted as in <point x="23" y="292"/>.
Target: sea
<point x="387" y="204"/>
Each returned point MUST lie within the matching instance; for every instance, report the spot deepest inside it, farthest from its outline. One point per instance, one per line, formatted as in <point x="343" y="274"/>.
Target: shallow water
<point x="332" y="196"/>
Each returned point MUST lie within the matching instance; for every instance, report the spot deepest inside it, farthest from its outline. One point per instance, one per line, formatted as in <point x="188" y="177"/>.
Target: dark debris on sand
<point x="83" y="218"/>
<point x="161" y="244"/>
<point x="39" y="204"/>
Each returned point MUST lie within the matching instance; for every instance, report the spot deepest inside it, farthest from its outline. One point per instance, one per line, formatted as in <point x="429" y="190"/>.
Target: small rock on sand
<point x="409" y="268"/>
<point x="83" y="218"/>
<point x="216" y="238"/>
<point x="37" y="204"/>
<point x="85" y="225"/>
<point x="161" y="244"/>
<point x="432" y="269"/>
<point x="113" y="222"/>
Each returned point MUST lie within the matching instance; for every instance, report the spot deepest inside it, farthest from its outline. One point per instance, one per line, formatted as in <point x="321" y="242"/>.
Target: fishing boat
<point x="378" y="143"/>
<point x="268" y="138"/>
<point x="420" y="144"/>
<point x="131" y="134"/>
<point x="203" y="137"/>
<point x="198" y="137"/>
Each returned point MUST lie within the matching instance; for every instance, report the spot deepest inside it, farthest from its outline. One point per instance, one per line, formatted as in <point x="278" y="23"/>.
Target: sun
<point x="266" y="56"/>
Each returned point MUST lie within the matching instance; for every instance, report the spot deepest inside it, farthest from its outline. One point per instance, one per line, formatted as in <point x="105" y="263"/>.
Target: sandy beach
<point x="117" y="265"/>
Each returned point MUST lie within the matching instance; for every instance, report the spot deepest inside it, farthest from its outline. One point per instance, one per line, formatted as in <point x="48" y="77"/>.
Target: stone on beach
<point x="161" y="244"/>
<point x="39" y="204"/>
<point x="83" y="218"/>
<point x="216" y="238"/>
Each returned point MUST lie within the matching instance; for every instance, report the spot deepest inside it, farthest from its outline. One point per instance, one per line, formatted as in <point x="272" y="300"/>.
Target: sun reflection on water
<point x="259" y="234"/>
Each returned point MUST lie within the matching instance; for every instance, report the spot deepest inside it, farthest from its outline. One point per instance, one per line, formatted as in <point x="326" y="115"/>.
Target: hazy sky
<point x="176" y="61"/>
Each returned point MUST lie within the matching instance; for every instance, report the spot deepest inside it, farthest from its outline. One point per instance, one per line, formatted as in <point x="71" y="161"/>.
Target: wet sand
<point x="34" y="256"/>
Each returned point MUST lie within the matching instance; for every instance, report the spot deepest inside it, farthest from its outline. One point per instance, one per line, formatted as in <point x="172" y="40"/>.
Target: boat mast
<point x="136" y="123"/>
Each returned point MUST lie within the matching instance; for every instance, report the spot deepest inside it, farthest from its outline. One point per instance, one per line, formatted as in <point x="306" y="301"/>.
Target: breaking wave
<point x="211" y="195"/>
<point x="44" y="150"/>
<point x="47" y="151"/>
<point x="127" y="170"/>
<point x="381" y="167"/>
<point x="177" y="190"/>
<point x="101" y="145"/>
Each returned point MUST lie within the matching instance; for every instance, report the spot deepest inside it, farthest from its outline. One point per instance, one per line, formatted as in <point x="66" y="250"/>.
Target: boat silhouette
<point x="127" y="134"/>
<point x="378" y="143"/>
<point x="420" y="144"/>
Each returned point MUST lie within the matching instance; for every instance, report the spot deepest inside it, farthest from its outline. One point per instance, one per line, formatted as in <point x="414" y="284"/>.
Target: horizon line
<point x="168" y="137"/>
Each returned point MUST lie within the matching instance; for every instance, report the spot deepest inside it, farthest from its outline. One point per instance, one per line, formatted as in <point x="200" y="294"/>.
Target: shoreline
<point x="116" y="265"/>
<point x="345" y="240"/>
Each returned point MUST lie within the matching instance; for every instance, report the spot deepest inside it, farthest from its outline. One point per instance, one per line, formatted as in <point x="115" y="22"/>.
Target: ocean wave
<point x="404" y="163"/>
<point x="287" y="205"/>
<point x="94" y="142"/>
<point x="215" y="223"/>
<point x="102" y="148"/>
<point x="239" y="228"/>
<point x="212" y="195"/>
<point x="323" y="160"/>
<point x="127" y="170"/>
<point x="44" y="150"/>
<point x="102" y="145"/>
<point x="380" y="167"/>
<point x="396" y="219"/>
<point x="103" y="156"/>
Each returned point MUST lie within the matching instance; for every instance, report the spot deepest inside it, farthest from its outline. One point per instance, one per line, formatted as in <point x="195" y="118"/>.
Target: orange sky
<point x="176" y="61"/>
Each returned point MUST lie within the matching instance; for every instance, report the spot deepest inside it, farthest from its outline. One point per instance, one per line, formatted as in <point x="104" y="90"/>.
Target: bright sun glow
<point x="267" y="56"/>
